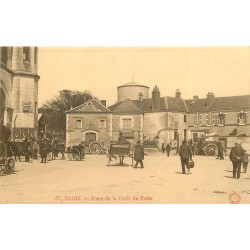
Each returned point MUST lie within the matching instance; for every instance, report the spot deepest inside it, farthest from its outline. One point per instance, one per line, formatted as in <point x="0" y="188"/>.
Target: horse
<point x="57" y="148"/>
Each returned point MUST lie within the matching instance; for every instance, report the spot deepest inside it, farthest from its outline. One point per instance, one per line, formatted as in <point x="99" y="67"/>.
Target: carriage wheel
<point x="73" y="156"/>
<point x="10" y="165"/>
<point x="70" y="156"/>
<point x="210" y="150"/>
<point x="95" y="148"/>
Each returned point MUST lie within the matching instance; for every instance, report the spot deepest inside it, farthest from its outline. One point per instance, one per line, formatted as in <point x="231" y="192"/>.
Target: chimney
<point x="140" y="96"/>
<point x="210" y="98"/>
<point x="156" y="99"/>
<point x="195" y="97"/>
<point x="177" y="94"/>
<point x="103" y="102"/>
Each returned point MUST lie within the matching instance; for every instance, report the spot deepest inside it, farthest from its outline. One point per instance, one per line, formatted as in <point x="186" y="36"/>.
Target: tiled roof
<point x="126" y="107"/>
<point x="219" y="104"/>
<point x="89" y="107"/>
<point x="166" y="104"/>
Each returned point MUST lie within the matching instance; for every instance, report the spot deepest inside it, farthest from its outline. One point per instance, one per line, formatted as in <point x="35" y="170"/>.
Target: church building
<point x="19" y="91"/>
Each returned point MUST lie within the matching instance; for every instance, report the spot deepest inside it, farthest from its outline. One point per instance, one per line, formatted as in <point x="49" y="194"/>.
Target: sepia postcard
<point x="124" y="125"/>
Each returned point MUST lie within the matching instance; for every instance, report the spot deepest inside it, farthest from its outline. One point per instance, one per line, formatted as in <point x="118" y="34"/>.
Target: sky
<point x="225" y="71"/>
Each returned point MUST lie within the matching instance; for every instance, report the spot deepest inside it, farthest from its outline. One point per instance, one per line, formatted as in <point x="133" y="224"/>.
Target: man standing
<point x="163" y="148"/>
<point x="245" y="161"/>
<point x="121" y="140"/>
<point x="185" y="154"/>
<point x="236" y="156"/>
<point x="220" y="151"/>
<point x="168" y="148"/>
<point x="26" y="148"/>
<point x="34" y="146"/>
<point x="139" y="154"/>
<point x="82" y="150"/>
<point x="44" y="149"/>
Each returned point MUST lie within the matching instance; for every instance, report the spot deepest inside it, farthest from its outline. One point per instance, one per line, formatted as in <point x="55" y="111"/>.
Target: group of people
<point x="166" y="148"/>
<point x="31" y="149"/>
<point x="238" y="156"/>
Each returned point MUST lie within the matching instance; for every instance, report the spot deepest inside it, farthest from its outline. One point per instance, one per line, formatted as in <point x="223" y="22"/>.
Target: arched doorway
<point x="2" y="105"/>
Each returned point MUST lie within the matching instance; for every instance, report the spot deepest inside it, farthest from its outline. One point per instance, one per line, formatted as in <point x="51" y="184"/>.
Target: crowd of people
<point x="47" y="149"/>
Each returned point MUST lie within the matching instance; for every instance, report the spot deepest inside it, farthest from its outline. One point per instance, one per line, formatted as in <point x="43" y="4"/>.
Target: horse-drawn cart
<point x="120" y="150"/>
<point x="75" y="153"/>
<point x="7" y="163"/>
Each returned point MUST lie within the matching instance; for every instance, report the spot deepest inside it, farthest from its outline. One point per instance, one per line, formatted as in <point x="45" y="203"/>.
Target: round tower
<point x="133" y="91"/>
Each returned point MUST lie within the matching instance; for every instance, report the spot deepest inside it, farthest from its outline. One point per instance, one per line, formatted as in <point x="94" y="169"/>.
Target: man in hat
<point x="236" y="156"/>
<point x="139" y="154"/>
<point x="26" y="149"/>
<point x="44" y="150"/>
<point x="121" y="140"/>
<point x="185" y="155"/>
<point x="82" y="150"/>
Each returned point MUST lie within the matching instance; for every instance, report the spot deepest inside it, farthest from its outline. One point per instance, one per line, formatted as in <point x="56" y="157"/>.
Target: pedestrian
<point x="220" y="151"/>
<point x="163" y="148"/>
<point x="236" y="156"/>
<point x="26" y="149"/>
<point x="245" y="161"/>
<point x="82" y="150"/>
<point x="185" y="155"/>
<point x="121" y="140"/>
<point x="139" y="154"/>
<point x="44" y="149"/>
<point x="168" y="149"/>
<point x="34" y="147"/>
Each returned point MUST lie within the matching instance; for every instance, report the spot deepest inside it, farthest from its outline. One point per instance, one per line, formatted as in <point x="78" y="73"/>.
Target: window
<point x="4" y="55"/>
<point x="185" y="118"/>
<point x="78" y="123"/>
<point x="200" y="118"/>
<point x="127" y="128"/>
<point x="102" y="123"/>
<point x="207" y="119"/>
<point x="127" y="123"/>
<point x="214" y="119"/>
<point x="221" y="118"/>
<point x="26" y="54"/>
<point x="195" y="119"/>
<point x="242" y="118"/>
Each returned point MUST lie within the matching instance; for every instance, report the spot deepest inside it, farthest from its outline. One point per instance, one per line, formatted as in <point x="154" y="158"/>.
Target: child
<point x="245" y="161"/>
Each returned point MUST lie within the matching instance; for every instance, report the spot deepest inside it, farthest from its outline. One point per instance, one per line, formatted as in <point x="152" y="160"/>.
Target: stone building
<point x="19" y="90"/>
<point x="135" y="115"/>
<point x="222" y="116"/>
<point x="169" y="119"/>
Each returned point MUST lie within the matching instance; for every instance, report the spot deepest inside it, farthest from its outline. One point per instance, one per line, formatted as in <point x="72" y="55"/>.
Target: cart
<point x="74" y="153"/>
<point x="120" y="150"/>
<point x="7" y="163"/>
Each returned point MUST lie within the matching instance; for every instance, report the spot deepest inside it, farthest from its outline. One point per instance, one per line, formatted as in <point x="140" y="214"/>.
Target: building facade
<point x="19" y="90"/>
<point x="169" y="119"/>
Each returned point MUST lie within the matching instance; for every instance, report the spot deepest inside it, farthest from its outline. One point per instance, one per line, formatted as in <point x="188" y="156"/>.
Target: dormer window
<point x="140" y="97"/>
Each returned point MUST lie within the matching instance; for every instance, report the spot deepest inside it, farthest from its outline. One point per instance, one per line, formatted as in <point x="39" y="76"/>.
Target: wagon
<point x="7" y="163"/>
<point x="203" y="147"/>
<point x="74" y="153"/>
